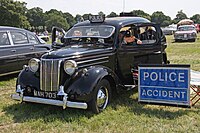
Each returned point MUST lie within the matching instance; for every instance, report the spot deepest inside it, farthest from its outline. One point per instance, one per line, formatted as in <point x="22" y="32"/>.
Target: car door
<point x="131" y="55"/>
<point x="22" y="47"/>
<point x="8" y="56"/>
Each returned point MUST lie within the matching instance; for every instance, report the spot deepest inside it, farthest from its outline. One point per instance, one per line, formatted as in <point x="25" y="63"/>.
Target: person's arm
<point x="138" y="41"/>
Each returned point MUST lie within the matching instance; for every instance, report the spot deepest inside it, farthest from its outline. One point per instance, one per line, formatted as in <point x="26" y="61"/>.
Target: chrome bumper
<point x="50" y="101"/>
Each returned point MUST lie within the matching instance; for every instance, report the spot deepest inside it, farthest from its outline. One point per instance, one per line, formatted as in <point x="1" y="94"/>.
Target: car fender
<point x="28" y="78"/>
<point x="82" y="86"/>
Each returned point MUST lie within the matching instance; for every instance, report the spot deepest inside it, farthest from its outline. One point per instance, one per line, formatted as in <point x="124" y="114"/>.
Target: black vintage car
<point x="17" y="47"/>
<point x="92" y="63"/>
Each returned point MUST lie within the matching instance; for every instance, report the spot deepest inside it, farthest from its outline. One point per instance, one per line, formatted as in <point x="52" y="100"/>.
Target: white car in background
<point x="185" y="33"/>
<point x="170" y="30"/>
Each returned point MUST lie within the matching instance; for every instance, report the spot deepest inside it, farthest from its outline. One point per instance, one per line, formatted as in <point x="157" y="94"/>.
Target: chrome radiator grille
<point x="50" y="74"/>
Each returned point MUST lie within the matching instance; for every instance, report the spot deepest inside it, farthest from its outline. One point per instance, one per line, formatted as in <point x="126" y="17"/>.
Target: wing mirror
<point x="62" y="39"/>
<point x="57" y="36"/>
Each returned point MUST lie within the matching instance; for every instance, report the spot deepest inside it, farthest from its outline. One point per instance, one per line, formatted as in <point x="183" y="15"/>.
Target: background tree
<point x="196" y="18"/>
<point x="55" y="12"/>
<point x="78" y="18"/>
<point x="13" y="14"/>
<point x="140" y="13"/>
<point x="56" y="20"/>
<point x="86" y="16"/>
<point x="70" y="19"/>
<point x="36" y="17"/>
<point x="160" y="18"/>
<point x="112" y="14"/>
<point x="101" y="13"/>
<point x="179" y="16"/>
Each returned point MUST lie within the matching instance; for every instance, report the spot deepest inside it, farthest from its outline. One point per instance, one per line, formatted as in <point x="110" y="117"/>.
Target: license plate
<point x="51" y="95"/>
<point x="185" y="35"/>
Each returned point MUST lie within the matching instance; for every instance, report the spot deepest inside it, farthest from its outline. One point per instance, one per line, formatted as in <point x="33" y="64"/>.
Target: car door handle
<point x="13" y="50"/>
<point x="31" y="48"/>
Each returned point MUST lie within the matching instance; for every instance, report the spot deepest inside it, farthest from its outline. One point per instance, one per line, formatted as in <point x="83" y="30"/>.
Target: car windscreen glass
<point x="187" y="28"/>
<point x="4" y="39"/>
<point x="101" y="35"/>
<point x="101" y="31"/>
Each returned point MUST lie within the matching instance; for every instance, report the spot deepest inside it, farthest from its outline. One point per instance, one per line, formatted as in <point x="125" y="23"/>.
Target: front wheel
<point x="101" y="96"/>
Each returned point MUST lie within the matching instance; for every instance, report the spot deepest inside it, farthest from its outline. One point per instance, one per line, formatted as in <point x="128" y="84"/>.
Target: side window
<point x="32" y="39"/>
<point x="4" y="40"/>
<point x="19" y="38"/>
<point x="137" y="35"/>
<point x="147" y="34"/>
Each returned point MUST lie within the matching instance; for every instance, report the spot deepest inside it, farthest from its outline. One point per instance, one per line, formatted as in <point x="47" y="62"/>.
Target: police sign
<point x="164" y="84"/>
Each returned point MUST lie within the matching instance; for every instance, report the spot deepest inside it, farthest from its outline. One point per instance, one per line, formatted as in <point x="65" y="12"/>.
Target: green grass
<point x="124" y="115"/>
<point x="184" y="52"/>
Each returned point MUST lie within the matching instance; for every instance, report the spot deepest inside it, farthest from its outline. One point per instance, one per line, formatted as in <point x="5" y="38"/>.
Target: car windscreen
<point x="186" y="28"/>
<point x="98" y="31"/>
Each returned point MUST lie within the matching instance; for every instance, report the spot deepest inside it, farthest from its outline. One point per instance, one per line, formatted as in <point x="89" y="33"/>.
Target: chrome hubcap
<point x="102" y="98"/>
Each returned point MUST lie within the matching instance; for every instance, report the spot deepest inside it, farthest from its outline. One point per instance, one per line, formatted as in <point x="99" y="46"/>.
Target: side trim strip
<point x="22" y="54"/>
<point x="10" y="73"/>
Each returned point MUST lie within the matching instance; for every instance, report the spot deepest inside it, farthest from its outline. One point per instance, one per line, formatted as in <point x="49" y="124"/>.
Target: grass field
<point x="124" y="115"/>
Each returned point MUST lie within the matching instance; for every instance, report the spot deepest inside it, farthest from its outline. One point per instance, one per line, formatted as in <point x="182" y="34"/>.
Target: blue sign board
<point x="164" y="84"/>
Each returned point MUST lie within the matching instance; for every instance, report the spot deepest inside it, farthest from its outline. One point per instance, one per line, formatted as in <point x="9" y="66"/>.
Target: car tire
<point x="101" y="96"/>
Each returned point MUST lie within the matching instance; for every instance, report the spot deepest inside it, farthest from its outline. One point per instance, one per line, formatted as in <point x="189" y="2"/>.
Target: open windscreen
<point x="186" y="28"/>
<point x="100" y="31"/>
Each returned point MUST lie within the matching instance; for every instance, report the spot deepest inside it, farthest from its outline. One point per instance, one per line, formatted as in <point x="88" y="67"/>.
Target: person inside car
<point x="130" y="39"/>
<point x="149" y="34"/>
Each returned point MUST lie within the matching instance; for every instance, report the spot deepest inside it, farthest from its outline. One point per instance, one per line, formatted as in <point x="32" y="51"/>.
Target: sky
<point x="168" y="7"/>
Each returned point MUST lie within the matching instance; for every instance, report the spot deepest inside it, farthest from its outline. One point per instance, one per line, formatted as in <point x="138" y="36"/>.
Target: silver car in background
<point x="185" y="33"/>
<point x="169" y="30"/>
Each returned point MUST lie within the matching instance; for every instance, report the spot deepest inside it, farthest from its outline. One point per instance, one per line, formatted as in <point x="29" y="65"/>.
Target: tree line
<point x="15" y="13"/>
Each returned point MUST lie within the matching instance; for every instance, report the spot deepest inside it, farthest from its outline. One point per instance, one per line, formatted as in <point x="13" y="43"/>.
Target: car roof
<point x="13" y="28"/>
<point x="117" y="21"/>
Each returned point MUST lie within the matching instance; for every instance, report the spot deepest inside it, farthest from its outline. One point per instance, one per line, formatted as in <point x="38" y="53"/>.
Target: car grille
<point x="184" y="36"/>
<point x="50" y="74"/>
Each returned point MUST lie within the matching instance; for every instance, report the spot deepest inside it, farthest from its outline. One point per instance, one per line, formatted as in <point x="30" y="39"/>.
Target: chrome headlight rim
<point x="34" y="67"/>
<point x="70" y="66"/>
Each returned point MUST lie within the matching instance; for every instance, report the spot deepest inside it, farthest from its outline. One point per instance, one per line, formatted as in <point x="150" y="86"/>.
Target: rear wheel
<point x="101" y="96"/>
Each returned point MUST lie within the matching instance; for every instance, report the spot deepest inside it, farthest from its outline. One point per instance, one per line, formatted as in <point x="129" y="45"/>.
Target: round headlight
<point x="70" y="66"/>
<point x="33" y="64"/>
<point x="193" y="33"/>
